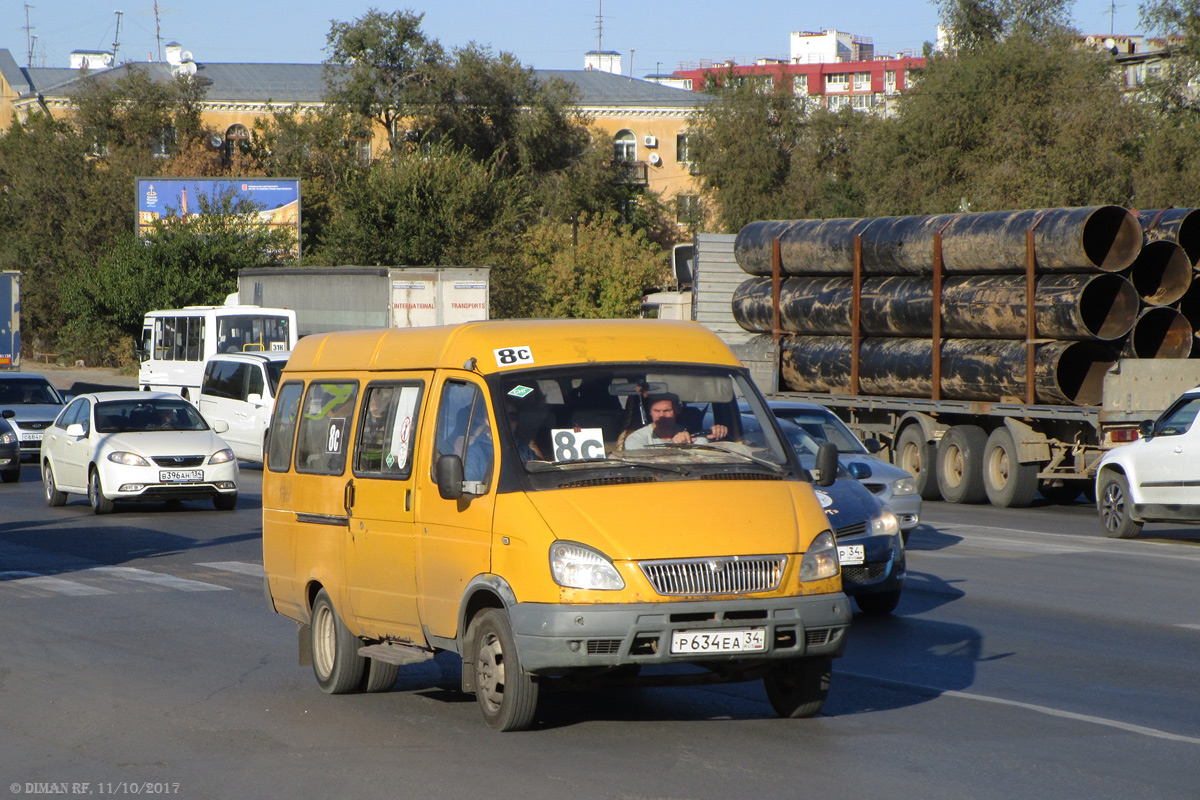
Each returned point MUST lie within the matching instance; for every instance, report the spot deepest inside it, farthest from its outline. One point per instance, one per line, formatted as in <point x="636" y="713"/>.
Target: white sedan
<point x="116" y="446"/>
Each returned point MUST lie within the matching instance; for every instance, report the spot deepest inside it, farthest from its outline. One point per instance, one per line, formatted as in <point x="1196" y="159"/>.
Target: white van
<point x="239" y="388"/>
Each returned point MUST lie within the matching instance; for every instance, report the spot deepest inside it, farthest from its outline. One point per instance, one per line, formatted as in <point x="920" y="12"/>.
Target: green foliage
<point x="382" y="66"/>
<point x="414" y="210"/>
<point x="181" y="262"/>
<point x="1022" y="124"/>
<point x="595" y="269"/>
<point x="974" y="24"/>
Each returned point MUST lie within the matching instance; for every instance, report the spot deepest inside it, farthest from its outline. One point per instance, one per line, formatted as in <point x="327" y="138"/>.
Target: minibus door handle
<point x="348" y="498"/>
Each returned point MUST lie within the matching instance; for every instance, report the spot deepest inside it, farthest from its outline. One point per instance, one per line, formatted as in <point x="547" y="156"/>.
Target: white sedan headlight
<point x="821" y="560"/>
<point x="885" y="524"/>
<point x="578" y="567"/>
<point x="127" y="458"/>
<point x="904" y="486"/>
<point x="221" y="456"/>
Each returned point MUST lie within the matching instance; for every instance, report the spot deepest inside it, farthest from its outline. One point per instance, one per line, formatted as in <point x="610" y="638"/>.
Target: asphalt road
<point x="1029" y="658"/>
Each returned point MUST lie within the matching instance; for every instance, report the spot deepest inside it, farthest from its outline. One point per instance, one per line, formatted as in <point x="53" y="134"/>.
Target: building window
<point x="237" y="140"/>
<point x="800" y="85"/>
<point x="862" y="102"/>
<point x="625" y="147"/>
<point x="683" y="149"/>
<point x="362" y="149"/>
<point x="837" y="102"/>
<point x="687" y="209"/>
<point x="837" y="83"/>
<point x="889" y="81"/>
<point x="862" y="81"/>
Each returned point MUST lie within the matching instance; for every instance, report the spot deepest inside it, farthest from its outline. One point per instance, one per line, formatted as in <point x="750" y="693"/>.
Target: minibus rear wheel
<point x="335" y="659"/>
<point x="797" y="688"/>
<point x="507" y="694"/>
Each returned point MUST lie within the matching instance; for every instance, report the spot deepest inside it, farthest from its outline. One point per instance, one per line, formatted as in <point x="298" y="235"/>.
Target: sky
<point x="657" y="36"/>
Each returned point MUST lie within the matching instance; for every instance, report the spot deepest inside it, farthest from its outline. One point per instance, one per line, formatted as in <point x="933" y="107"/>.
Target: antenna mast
<point x="599" y="28"/>
<point x="117" y="37"/>
<point x="28" y="41"/>
<point x="157" y="30"/>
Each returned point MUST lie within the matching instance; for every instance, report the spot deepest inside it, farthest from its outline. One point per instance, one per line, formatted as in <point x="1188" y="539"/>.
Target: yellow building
<point x="647" y="121"/>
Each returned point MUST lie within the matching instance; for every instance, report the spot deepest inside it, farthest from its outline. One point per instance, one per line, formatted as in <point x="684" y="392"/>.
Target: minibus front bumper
<point x="553" y="638"/>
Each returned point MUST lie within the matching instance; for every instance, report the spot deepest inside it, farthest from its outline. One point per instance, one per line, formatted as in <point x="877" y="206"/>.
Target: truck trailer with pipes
<point x="330" y="299"/>
<point x="920" y="332"/>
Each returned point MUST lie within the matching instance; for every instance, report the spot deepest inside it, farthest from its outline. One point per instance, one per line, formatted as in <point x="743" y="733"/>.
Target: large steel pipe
<point x="972" y="369"/>
<point x="1074" y="306"/>
<point x="1189" y="304"/>
<point x="1181" y="225"/>
<point x="1159" y="332"/>
<point x="1161" y="273"/>
<point x="1104" y="238"/>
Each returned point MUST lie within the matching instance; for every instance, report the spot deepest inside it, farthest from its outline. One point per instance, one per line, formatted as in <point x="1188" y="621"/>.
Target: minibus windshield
<point x="674" y="418"/>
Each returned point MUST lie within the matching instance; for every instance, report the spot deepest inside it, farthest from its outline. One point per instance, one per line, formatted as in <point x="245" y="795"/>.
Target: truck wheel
<point x="507" y="694"/>
<point x="960" y="464"/>
<point x="878" y="605"/>
<point x="335" y="659"/>
<point x="1009" y="483"/>
<point x="797" y="688"/>
<point x="1115" y="507"/>
<point x="379" y="676"/>
<point x="918" y="458"/>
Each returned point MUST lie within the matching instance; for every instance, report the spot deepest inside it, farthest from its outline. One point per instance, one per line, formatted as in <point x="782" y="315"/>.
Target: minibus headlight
<point x="128" y="459"/>
<point x="221" y="456"/>
<point x="885" y="524"/>
<point x="575" y="566"/>
<point x="821" y="560"/>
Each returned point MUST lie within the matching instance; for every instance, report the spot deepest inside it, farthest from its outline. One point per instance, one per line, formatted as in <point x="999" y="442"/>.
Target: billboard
<point x="276" y="201"/>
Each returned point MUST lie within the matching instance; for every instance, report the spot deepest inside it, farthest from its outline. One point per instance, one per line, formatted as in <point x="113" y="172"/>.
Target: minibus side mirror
<point x="450" y="477"/>
<point x="827" y="464"/>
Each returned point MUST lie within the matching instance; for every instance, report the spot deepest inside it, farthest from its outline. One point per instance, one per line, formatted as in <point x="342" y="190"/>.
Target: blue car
<point x="10" y="451"/>
<point x="870" y="542"/>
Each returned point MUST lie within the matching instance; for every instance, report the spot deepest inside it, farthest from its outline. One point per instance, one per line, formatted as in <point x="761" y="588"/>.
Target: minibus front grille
<point x="614" y="481"/>
<point x="713" y="576"/>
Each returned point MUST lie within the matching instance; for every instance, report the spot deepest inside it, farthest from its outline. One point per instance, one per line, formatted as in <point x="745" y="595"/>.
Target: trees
<point x="383" y="67"/>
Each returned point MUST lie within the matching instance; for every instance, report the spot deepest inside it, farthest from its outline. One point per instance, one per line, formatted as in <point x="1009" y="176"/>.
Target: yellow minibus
<point x="552" y="500"/>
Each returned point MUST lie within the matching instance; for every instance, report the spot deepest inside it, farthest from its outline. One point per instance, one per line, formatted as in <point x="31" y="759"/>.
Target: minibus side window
<point x="283" y="427"/>
<point x="323" y="436"/>
<point x="464" y="430"/>
<point x="384" y="446"/>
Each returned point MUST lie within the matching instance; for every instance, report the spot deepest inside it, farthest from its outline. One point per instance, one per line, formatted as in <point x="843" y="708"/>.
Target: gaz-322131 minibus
<point x="539" y="498"/>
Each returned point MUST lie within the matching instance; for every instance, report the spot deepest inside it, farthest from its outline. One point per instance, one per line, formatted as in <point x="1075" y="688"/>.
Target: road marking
<point x="1141" y="730"/>
<point x="242" y="567"/>
<point x="49" y="584"/>
<point x="1043" y="543"/>
<point x="159" y="579"/>
<point x="1192" y="625"/>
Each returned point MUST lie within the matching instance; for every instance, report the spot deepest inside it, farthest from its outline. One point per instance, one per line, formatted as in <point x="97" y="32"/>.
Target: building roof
<point x="305" y="83"/>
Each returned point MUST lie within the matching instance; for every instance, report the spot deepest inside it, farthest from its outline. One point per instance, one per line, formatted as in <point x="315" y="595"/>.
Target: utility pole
<point x="117" y="38"/>
<point x="28" y="40"/>
<point x="599" y="27"/>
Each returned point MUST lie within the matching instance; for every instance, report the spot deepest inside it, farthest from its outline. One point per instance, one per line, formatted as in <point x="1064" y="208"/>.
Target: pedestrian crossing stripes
<point x="78" y="580"/>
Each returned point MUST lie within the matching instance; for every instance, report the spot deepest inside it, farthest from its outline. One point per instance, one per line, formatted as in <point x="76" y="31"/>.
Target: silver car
<point x="892" y="485"/>
<point x="34" y="403"/>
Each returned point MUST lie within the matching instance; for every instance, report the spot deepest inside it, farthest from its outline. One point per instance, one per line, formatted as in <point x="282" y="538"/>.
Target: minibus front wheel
<point x="335" y="659"/>
<point x="507" y="694"/>
<point x="797" y="687"/>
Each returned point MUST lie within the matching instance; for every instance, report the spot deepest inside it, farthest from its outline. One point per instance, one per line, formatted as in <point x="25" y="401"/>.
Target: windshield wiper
<point x="548" y="465"/>
<point x="771" y="465"/>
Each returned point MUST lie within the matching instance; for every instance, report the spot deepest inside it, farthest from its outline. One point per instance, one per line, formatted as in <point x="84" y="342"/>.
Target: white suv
<point x="239" y="388"/>
<point x="1156" y="478"/>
